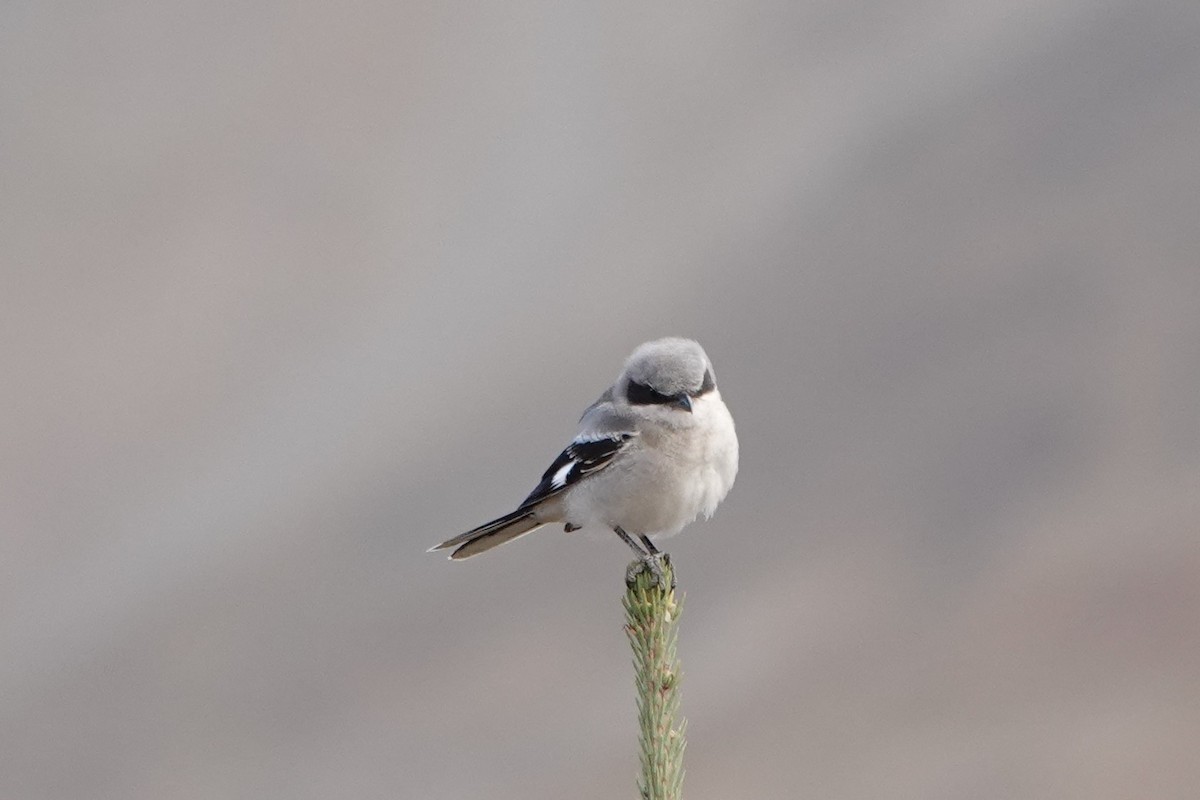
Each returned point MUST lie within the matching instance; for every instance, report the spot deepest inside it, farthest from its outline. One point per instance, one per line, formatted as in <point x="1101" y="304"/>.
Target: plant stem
<point x="651" y="617"/>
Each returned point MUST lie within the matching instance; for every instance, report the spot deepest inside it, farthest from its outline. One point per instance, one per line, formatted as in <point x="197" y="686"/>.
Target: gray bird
<point x="657" y="450"/>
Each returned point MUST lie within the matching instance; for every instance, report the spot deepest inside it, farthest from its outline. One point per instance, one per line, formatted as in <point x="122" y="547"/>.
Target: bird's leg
<point x="650" y="559"/>
<point x="650" y="548"/>
<point x="627" y="539"/>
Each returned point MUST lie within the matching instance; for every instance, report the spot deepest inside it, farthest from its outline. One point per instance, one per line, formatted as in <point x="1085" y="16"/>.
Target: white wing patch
<point x="560" y="478"/>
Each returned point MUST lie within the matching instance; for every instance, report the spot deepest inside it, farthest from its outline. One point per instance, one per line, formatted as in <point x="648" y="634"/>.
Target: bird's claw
<point x="655" y="565"/>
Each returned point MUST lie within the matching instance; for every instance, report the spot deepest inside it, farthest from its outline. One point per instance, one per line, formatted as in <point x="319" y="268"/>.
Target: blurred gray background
<point x="293" y="291"/>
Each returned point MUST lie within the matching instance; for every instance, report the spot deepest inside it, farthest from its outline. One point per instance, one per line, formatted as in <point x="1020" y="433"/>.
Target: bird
<point x="656" y="451"/>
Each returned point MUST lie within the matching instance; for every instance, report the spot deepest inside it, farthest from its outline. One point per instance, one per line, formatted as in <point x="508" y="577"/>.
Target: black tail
<point x="491" y="534"/>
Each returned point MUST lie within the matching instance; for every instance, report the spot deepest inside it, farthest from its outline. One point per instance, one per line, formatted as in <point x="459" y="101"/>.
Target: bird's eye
<point x="708" y="385"/>
<point x="640" y="394"/>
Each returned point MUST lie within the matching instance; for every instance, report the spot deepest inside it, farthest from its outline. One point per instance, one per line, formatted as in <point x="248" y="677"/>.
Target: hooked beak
<point x="684" y="401"/>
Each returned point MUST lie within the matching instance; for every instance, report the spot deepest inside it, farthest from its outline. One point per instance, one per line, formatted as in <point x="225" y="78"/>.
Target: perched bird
<point x="657" y="450"/>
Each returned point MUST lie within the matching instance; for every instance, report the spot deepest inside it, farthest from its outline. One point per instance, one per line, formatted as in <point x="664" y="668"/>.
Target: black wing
<point x="581" y="458"/>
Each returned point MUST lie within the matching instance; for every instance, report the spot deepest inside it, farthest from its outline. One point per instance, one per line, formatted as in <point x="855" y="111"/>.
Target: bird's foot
<point x="656" y="565"/>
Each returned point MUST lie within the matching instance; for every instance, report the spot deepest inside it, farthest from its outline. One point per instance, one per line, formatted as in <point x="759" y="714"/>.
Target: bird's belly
<point x="655" y="498"/>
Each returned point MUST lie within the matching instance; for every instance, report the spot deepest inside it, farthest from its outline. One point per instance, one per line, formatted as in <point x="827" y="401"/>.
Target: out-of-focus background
<point x="293" y="291"/>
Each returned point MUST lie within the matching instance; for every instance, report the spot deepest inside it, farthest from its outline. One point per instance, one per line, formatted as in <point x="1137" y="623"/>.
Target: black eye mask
<point x="640" y="394"/>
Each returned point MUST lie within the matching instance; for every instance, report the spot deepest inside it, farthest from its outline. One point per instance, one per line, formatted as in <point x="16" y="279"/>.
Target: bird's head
<point x="669" y="373"/>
